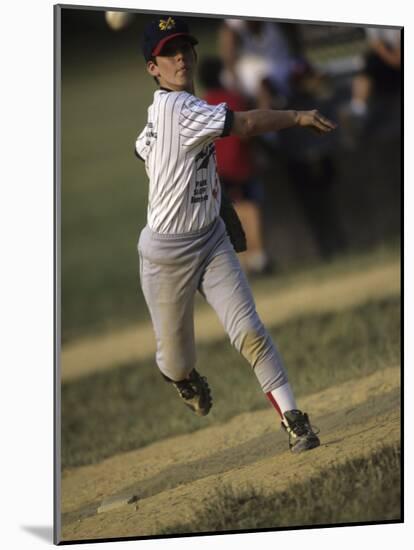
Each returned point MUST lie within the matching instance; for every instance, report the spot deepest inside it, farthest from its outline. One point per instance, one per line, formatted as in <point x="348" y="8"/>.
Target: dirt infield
<point x="101" y="352"/>
<point x="140" y="492"/>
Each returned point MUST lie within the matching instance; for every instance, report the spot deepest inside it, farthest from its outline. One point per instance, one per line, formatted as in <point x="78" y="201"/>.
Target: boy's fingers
<point x="318" y="122"/>
<point x="326" y="122"/>
<point x="321" y="128"/>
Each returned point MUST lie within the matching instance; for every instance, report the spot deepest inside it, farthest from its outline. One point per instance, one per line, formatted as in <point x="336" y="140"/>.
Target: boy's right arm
<point x="260" y="121"/>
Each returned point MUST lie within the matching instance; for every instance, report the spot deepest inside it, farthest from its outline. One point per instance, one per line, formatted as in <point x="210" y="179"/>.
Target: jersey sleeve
<point x="141" y="146"/>
<point x="201" y="123"/>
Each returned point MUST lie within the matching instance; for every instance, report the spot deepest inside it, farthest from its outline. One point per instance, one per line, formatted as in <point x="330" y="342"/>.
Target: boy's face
<point x="174" y="68"/>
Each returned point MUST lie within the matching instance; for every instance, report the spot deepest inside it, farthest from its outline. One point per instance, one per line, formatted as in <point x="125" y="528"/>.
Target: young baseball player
<point x="185" y="246"/>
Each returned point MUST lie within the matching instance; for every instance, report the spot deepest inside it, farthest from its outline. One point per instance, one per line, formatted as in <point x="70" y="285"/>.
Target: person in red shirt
<point x="236" y="170"/>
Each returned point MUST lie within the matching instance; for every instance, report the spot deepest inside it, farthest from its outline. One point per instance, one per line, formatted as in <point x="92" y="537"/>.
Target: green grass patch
<point x="131" y="406"/>
<point x="360" y="490"/>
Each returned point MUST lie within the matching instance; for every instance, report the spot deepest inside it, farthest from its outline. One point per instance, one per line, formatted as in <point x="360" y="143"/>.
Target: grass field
<point x="131" y="406"/>
<point x="361" y="490"/>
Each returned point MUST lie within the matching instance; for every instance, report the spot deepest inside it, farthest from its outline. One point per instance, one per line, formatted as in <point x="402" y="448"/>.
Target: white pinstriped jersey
<point x="180" y="160"/>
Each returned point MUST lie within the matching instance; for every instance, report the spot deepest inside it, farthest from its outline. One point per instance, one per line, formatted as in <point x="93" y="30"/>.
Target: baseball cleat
<point x="301" y="435"/>
<point x="195" y="393"/>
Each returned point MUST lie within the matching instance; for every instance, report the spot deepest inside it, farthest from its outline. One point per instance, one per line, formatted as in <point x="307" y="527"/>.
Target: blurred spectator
<point x="265" y="60"/>
<point x="236" y="170"/>
<point x="380" y="79"/>
<point x="311" y="169"/>
<point x="260" y="59"/>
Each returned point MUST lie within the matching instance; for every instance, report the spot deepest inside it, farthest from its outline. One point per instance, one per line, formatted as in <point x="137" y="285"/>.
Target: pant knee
<point x="254" y="344"/>
<point x="258" y="349"/>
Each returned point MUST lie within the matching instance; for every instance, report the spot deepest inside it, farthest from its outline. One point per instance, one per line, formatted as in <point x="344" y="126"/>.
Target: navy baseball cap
<point x="160" y="31"/>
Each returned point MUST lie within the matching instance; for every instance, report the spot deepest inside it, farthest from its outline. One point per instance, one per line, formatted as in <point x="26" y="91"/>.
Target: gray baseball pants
<point x="172" y="269"/>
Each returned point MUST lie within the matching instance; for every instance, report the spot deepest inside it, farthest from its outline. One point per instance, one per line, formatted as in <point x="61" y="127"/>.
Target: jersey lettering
<point x="177" y="145"/>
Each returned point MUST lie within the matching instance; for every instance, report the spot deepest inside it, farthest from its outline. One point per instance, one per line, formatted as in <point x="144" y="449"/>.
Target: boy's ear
<point x="152" y="68"/>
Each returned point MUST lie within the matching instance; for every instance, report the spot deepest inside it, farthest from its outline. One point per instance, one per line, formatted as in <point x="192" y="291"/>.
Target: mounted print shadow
<point x="227" y="274"/>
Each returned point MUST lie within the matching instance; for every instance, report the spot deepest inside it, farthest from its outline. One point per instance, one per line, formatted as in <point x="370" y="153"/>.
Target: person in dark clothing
<point x="311" y="170"/>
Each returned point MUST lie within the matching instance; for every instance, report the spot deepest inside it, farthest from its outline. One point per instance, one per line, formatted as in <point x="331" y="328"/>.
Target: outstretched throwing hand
<point x="315" y="121"/>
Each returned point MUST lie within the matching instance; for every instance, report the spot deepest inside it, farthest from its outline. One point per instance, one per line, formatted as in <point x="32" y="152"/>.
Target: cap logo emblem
<point x="167" y="25"/>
